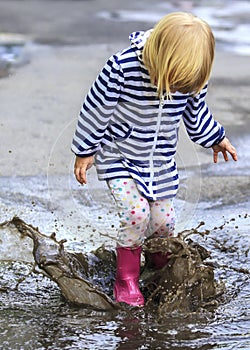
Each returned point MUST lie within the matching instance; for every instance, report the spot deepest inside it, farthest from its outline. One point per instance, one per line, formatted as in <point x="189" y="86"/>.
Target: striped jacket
<point x="132" y="132"/>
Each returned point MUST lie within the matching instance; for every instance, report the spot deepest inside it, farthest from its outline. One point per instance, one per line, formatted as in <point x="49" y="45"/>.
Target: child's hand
<point x="81" y="165"/>
<point x="224" y="146"/>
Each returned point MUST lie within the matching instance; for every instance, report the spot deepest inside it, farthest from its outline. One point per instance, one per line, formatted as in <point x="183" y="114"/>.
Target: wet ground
<point x="34" y="314"/>
<point x="43" y="82"/>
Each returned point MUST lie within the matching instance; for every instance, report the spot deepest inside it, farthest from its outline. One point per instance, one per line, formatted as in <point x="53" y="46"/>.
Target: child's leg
<point x="162" y="224"/>
<point x="134" y="219"/>
<point x="162" y="219"/>
<point x="133" y="210"/>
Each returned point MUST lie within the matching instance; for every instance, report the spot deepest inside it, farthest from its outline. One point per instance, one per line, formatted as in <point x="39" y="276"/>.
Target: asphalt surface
<point x="71" y="22"/>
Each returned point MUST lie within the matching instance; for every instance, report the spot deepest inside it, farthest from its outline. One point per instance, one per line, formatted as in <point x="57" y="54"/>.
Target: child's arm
<point x="224" y="146"/>
<point x="204" y="130"/>
<point x="200" y="124"/>
<point x="97" y="109"/>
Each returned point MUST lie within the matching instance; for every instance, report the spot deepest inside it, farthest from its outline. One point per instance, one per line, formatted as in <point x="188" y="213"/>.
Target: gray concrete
<point x="40" y="100"/>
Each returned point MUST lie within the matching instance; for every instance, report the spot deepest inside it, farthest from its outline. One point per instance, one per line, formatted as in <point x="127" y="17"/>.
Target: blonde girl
<point x="129" y="125"/>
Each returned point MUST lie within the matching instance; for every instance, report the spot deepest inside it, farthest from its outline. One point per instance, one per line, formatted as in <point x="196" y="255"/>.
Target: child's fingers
<point x="215" y="157"/>
<point x="225" y="155"/>
<point x="233" y="153"/>
<point x="80" y="174"/>
<point x="83" y="179"/>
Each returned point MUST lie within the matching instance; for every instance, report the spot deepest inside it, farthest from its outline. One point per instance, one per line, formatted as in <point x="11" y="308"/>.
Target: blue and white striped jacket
<point x="132" y="132"/>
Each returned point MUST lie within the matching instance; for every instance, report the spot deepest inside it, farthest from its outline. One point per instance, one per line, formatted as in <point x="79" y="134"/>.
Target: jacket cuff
<point x="218" y="141"/>
<point x="85" y="155"/>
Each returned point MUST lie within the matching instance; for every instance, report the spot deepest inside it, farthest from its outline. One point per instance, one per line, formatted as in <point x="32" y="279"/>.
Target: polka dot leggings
<point x="139" y="217"/>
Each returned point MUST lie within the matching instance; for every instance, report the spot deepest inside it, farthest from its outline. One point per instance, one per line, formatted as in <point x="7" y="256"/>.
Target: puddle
<point x="34" y="314"/>
<point x="13" y="52"/>
<point x="228" y="19"/>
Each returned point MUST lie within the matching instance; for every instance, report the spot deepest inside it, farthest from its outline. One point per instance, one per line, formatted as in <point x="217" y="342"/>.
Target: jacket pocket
<point x="120" y="132"/>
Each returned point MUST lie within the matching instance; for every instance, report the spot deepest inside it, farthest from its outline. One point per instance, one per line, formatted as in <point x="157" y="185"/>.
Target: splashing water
<point x="30" y="300"/>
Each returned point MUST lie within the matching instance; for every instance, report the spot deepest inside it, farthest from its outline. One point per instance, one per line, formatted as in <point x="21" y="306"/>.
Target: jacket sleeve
<point x="97" y="109"/>
<point x="200" y="124"/>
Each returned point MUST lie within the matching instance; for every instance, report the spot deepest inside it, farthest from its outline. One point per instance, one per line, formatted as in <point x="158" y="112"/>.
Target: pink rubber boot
<point x="126" y="288"/>
<point x="158" y="260"/>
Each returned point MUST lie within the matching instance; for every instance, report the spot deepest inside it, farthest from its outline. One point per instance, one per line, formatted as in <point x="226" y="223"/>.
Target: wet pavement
<point x="45" y="76"/>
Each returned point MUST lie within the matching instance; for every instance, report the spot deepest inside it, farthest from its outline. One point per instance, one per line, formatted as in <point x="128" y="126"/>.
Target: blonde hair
<point x="179" y="53"/>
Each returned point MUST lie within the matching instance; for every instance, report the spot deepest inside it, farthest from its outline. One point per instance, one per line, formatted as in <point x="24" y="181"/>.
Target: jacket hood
<point x="138" y="40"/>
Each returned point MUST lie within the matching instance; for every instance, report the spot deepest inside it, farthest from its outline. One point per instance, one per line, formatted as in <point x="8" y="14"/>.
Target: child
<point x="129" y="123"/>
